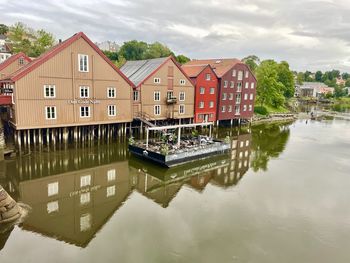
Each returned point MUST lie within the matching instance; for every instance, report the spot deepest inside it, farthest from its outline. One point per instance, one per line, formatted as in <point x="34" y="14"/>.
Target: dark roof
<point x="54" y="51"/>
<point x="137" y="71"/>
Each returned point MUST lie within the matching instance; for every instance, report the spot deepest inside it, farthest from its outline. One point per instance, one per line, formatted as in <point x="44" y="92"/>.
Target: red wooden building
<point x="206" y="91"/>
<point x="236" y="88"/>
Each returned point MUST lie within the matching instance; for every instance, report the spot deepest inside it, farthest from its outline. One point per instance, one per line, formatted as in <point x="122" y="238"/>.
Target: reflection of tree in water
<point x="269" y="140"/>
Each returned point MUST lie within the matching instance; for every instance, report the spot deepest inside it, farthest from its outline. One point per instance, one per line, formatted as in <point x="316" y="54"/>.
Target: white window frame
<point x="246" y="85"/>
<point x="89" y="112"/>
<point x="156" y="80"/>
<point x="181" y="109"/>
<point x="201" y="104"/>
<point x="224" y="96"/>
<point x="208" y="76"/>
<point x="202" y="89"/>
<point x="50" y="88"/>
<point x="110" y="191"/>
<point x="111" y="175"/>
<point x="240" y="75"/>
<point x="246" y="96"/>
<point x="85" y="180"/>
<point x="112" y="110"/>
<point x="85" y="198"/>
<point x="84" y="88"/>
<point x="136" y="95"/>
<point x="223" y="108"/>
<point x="212" y="90"/>
<point x="182" y="96"/>
<point x="52" y="189"/>
<point x="239" y="86"/>
<point x="155" y="111"/>
<point x="111" y="92"/>
<point x="231" y="96"/>
<point x="48" y="111"/>
<point x="237" y="110"/>
<point x="211" y="104"/>
<point x="230" y="108"/>
<point x="182" y="82"/>
<point x="246" y="74"/>
<point x="234" y="73"/>
<point x="250" y="107"/>
<point x="244" y="107"/>
<point x="225" y="83"/>
<point x="251" y="97"/>
<point x="232" y="84"/>
<point x="83" y="68"/>
<point x="156" y="95"/>
<point x="252" y="85"/>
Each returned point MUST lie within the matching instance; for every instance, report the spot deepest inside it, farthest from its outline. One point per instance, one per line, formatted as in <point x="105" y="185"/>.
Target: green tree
<point x="182" y="59"/>
<point x="157" y="50"/>
<point x="43" y="41"/>
<point x="133" y="50"/>
<point x="345" y="76"/>
<point x="269" y="90"/>
<point x="252" y="61"/>
<point x="347" y="83"/>
<point x="300" y="78"/>
<point x="318" y="76"/>
<point x="111" y="55"/>
<point x="4" y="29"/>
<point x="286" y="77"/>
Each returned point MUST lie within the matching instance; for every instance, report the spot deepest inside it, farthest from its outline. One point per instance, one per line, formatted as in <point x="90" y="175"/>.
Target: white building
<point x="312" y="89"/>
<point x="5" y="52"/>
<point x="108" y="46"/>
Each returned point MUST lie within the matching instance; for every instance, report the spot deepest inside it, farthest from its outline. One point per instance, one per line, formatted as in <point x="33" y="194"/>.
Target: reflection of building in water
<point x="73" y="206"/>
<point x="74" y="193"/>
<point x="224" y="171"/>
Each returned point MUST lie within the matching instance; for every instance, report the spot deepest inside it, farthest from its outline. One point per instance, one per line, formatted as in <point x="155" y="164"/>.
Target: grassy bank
<point x="268" y="109"/>
<point x="341" y="104"/>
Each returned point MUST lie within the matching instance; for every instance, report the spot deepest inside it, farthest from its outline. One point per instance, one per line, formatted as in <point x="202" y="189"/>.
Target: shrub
<point x="261" y="110"/>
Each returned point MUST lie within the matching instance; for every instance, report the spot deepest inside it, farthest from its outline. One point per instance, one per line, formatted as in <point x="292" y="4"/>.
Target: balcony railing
<point x="172" y="100"/>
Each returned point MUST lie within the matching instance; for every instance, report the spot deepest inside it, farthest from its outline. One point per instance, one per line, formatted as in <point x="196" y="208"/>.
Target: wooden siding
<point x="12" y="67"/>
<point x="167" y="111"/>
<point x="62" y="71"/>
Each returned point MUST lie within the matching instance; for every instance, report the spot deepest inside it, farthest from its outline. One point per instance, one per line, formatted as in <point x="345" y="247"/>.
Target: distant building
<point x="108" y="46"/>
<point x="5" y="51"/>
<point x="340" y="81"/>
<point x="312" y="89"/>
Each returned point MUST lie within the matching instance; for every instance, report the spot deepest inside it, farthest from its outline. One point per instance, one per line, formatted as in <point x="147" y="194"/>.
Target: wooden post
<point x="147" y="135"/>
<point x="48" y="137"/>
<point x="178" y="137"/>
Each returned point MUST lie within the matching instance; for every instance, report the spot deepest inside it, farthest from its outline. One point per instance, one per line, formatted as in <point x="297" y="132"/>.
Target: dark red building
<point x="236" y="88"/>
<point x="206" y="91"/>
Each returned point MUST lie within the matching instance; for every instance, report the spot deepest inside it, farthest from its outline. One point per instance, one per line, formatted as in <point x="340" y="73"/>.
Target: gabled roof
<point x="194" y="70"/>
<point x="139" y="71"/>
<point x="54" y="51"/>
<point x="220" y="66"/>
<point x="12" y="59"/>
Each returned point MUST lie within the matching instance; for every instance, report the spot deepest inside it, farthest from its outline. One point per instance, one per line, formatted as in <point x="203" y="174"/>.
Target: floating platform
<point x="181" y="156"/>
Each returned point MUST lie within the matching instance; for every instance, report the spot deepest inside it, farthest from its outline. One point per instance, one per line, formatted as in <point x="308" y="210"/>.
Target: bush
<point x="261" y="110"/>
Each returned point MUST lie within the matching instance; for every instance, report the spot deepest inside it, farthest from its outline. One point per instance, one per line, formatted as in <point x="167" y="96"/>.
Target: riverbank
<point x="274" y="118"/>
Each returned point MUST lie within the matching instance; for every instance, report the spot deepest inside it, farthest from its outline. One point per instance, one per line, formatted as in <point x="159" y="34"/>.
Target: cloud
<point x="310" y="34"/>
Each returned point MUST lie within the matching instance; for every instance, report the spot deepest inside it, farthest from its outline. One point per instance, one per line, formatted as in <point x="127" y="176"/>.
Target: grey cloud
<point x="309" y="34"/>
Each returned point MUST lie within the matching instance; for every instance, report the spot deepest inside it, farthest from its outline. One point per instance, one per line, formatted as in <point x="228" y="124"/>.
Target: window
<point x="207" y="76"/>
<point x="244" y="107"/>
<point x="49" y="91"/>
<point x="231" y="96"/>
<point x="52" y="189"/>
<point x="211" y="104"/>
<point x="110" y="191"/>
<point x="239" y="87"/>
<point x="170" y="95"/>
<point x="85" y="222"/>
<point x="237" y="110"/>
<point x="211" y="115"/>
<point x="21" y="61"/>
<point x="84" y="111"/>
<point x="246" y="74"/>
<point x="252" y="85"/>
<point x="84" y="198"/>
<point x="52" y="207"/>
<point x="232" y="84"/>
<point x="201" y="90"/>
<point x="111" y="93"/>
<point x="182" y="96"/>
<point x="201" y="104"/>
<point x="238" y="98"/>
<point x="230" y="108"/>
<point x="156" y="109"/>
<point x="84" y="91"/>
<point x="50" y="112"/>
<point x="225" y="83"/>
<point x="156" y="80"/>
<point x="224" y="96"/>
<point x="181" y="109"/>
<point x="247" y="85"/>
<point x="157" y="96"/>
<point x="85" y="180"/>
<point x="234" y="73"/>
<point x="240" y="75"/>
<point x="245" y="96"/>
<point x="83" y="63"/>
<point x="250" y="107"/>
<point x="111" y="175"/>
<point x="200" y="116"/>
<point x="182" y="82"/>
<point x="112" y="110"/>
<point x="251" y="97"/>
<point x="223" y="108"/>
<point x="212" y="90"/>
<point x="136" y="95"/>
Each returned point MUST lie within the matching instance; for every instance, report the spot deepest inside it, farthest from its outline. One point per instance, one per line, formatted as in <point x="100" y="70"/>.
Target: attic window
<point x="83" y="63"/>
<point x="156" y="80"/>
<point x="21" y="61"/>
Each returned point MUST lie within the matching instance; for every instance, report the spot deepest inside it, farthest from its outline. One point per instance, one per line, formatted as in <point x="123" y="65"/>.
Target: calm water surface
<point x="281" y="195"/>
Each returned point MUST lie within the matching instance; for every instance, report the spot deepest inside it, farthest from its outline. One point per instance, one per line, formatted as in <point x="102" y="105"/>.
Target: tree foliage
<point x="252" y="61"/>
<point x="4" y="29"/>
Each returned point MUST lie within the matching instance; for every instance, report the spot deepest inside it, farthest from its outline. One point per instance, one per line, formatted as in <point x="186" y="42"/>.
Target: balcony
<point x="171" y="100"/>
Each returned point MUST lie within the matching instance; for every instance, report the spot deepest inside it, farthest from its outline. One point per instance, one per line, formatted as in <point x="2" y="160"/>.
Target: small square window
<point x="111" y="92"/>
<point x="84" y="111"/>
<point x="50" y="112"/>
<point x="85" y="180"/>
<point x="156" y="80"/>
<point x="111" y="175"/>
<point x="207" y="76"/>
<point x="182" y="82"/>
<point x="49" y="91"/>
<point x="52" y="189"/>
<point x="110" y="191"/>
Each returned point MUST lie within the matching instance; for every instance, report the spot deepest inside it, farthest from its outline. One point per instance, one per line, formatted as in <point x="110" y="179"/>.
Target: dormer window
<point x="83" y="63"/>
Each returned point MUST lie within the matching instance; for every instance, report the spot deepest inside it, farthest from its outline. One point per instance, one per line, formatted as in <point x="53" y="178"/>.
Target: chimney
<point x="60" y="41"/>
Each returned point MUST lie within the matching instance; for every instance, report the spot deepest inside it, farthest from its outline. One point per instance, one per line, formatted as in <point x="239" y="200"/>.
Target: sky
<point x="309" y="34"/>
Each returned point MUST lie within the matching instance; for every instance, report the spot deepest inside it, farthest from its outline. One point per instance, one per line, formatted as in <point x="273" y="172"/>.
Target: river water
<point x="281" y="195"/>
